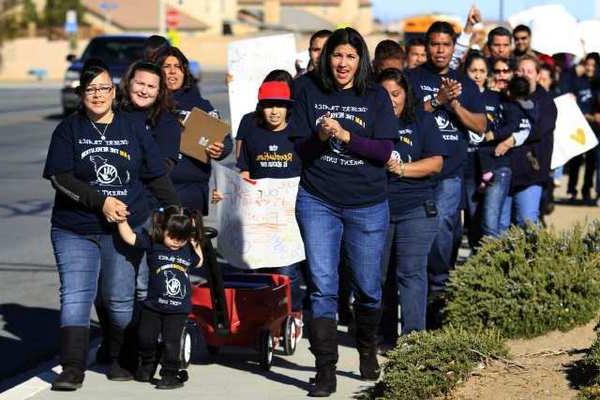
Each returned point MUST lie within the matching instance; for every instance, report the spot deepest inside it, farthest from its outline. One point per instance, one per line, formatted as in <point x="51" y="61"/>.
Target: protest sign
<point x="256" y="221"/>
<point x="545" y="37"/>
<point x="248" y="62"/>
<point x="572" y="134"/>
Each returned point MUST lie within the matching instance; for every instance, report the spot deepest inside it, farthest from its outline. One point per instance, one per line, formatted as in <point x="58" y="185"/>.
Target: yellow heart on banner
<point x="578" y="136"/>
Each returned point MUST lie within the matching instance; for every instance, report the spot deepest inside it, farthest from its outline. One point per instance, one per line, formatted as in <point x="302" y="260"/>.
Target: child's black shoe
<point x="169" y="382"/>
<point x="145" y="373"/>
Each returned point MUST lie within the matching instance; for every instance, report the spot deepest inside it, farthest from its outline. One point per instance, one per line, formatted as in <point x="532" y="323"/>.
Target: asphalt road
<point x="28" y="278"/>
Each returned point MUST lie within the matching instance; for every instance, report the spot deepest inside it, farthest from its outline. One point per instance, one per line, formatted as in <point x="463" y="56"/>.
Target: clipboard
<point x="200" y="130"/>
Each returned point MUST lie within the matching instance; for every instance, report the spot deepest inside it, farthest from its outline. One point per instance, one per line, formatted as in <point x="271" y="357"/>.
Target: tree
<point x="55" y="10"/>
<point x="29" y="13"/>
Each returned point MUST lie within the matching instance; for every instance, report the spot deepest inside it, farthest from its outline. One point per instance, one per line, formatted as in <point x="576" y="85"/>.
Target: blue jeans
<point x="293" y="272"/>
<point x="88" y="264"/>
<point x="409" y="241"/>
<point x="525" y="205"/>
<point x="472" y="210"/>
<point x="493" y="202"/>
<point x="325" y="229"/>
<point x="597" y="150"/>
<point x="443" y="251"/>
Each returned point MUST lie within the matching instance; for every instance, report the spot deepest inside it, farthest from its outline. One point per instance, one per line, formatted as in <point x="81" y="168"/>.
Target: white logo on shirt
<point x="443" y="122"/>
<point x="273" y="147"/>
<point x="174" y="286"/>
<point x="106" y="174"/>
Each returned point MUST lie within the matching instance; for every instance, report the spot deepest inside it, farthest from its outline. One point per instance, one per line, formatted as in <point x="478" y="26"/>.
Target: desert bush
<point x="528" y="282"/>
<point x="429" y="364"/>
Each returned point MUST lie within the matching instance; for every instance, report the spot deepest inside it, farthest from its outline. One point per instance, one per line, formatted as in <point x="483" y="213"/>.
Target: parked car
<point x="118" y="52"/>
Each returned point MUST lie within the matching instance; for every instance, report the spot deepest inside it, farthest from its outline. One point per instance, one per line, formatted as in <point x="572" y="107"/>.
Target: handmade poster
<point x="256" y="220"/>
<point x="572" y="135"/>
<point x="248" y="62"/>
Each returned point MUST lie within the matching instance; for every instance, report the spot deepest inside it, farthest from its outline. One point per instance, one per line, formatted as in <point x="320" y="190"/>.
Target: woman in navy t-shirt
<point x="190" y="176"/>
<point x="99" y="162"/>
<point x="344" y="125"/>
<point x="418" y="156"/>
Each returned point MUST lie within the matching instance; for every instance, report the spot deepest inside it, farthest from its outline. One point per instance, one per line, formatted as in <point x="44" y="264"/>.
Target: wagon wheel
<point x="266" y="350"/>
<point x="189" y="344"/>
<point x="289" y="335"/>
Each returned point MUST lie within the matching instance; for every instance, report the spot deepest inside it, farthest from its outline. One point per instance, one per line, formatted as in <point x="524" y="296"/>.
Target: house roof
<point x="139" y="15"/>
<point x="362" y="3"/>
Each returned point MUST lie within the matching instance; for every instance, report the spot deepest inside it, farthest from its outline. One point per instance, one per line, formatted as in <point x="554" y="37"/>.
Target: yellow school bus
<point x="417" y="25"/>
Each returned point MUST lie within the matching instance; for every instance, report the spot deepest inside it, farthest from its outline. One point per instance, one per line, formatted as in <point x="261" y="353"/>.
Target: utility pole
<point x="501" y="14"/>
<point x="162" y="20"/>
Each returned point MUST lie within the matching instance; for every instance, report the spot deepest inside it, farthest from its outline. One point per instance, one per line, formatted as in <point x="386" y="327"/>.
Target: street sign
<point x="71" y="21"/>
<point x="173" y="18"/>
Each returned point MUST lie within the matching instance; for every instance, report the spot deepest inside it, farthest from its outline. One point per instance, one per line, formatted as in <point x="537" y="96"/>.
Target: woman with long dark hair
<point x="418" y="157"/>
<point x="99" y="161"/>
<point x="344" y="130"/>
<point x="190" y="176"/>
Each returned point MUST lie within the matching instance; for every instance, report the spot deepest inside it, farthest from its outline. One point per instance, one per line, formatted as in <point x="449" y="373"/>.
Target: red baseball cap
<point x="274" y="91"/>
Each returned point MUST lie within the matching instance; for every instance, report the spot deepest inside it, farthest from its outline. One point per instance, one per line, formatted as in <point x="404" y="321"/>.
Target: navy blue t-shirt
<point x="169" y="289"/>
<point x="191" y="176"/>
<point x="339" y="176"/>
<point x="114" y="166"/>
<point x="491" y="99"/>
<point x="246" y="124"/>
<point x="426" y="82"/>
<point x="268" y="154"/>
<point x="166" y="133"/>
<point x="416" y="140"/>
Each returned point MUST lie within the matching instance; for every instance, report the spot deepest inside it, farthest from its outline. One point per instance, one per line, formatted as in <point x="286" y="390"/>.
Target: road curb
<point x="41" y="380"/>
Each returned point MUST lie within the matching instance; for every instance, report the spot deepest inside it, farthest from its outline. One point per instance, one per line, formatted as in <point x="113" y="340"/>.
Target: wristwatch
<point x="434" y="102"/>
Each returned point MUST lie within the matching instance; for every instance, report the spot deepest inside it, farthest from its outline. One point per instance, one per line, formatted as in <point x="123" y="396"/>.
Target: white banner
<point x="248" y="62"/>
<point x="256" y="221"/>
<point x="548" y="24"/>
<point x="572" y="135"/>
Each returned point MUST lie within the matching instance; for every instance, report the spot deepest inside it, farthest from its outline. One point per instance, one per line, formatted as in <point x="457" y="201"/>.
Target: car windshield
<point x="115" y="50"/>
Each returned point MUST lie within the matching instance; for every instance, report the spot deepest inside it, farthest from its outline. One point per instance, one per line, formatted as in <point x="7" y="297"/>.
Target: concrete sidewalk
<point x="234" y="374"/>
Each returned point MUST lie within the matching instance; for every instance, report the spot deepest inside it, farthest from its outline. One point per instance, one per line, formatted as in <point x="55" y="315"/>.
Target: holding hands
<point x="114" y="210"/>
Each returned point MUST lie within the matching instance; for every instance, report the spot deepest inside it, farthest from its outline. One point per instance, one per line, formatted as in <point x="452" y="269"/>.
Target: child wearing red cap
<point x="266" y="152"/>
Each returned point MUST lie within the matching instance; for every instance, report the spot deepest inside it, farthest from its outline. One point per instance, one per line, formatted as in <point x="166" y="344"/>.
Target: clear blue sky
<point x="387" y="10"/>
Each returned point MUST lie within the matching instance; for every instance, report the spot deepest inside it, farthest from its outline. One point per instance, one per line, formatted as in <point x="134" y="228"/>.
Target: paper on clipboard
<point x="200" y="130"/>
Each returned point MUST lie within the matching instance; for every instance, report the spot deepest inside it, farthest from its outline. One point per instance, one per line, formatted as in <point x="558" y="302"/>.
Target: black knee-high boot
<point x="367" y="322"/>
<point x="116" y="370"/>
<point x="74" y="342"/>
<point x="323" y="344"/>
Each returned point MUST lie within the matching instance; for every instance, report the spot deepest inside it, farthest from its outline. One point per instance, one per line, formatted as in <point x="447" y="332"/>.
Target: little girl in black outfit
<point x="172" y="246"/>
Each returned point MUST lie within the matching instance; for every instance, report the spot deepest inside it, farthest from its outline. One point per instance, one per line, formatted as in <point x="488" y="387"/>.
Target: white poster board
<point x="572" y="135"/>
<point x="548" y="24"/>
<point x="256" y="221"/>
<point x="248" y="62"/>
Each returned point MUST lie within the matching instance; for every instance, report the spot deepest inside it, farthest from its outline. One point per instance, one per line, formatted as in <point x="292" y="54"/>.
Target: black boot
<point x="74" y="341"/>
<point x="367" y="322"/>
<point x="102" y="354"/>
<point x="116" y="370"/>
<point x="323" y="344"/>
<point x="145" y="372"/>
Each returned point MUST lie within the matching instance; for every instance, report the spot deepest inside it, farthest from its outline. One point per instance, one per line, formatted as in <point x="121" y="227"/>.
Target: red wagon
<point x="258" y="314"/>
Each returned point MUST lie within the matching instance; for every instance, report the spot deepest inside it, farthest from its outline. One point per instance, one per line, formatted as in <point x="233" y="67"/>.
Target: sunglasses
<point x="501" y="71"/>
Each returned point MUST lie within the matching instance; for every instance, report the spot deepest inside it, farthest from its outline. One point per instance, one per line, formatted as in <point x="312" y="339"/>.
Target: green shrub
<point x="591" y="367"/>
<point x="428" y="364"/>
<point x="528" y="282"/>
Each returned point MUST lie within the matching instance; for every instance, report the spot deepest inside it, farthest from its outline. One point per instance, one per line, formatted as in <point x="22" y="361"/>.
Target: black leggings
<point x="170" y="326"/>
